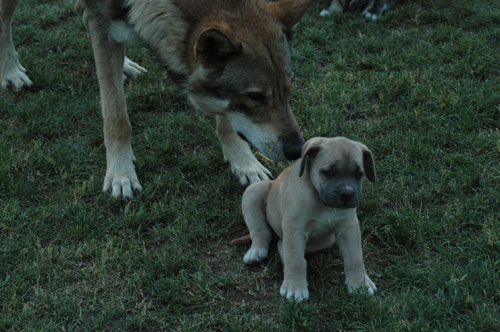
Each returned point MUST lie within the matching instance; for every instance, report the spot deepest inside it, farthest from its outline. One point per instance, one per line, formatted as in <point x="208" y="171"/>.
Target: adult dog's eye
<point x="258" y="97"/>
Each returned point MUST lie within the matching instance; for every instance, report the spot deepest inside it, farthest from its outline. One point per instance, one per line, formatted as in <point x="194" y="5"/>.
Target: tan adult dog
<point x="230" y="57"/>
<point x="310" y="206"/>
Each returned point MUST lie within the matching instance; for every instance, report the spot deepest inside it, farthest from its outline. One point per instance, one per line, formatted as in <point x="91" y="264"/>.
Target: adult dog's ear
<point x="214" y="48"/>
<point x="289" y="12"/>
<point x="309" y="151"/>
<point x="368" y="163"/>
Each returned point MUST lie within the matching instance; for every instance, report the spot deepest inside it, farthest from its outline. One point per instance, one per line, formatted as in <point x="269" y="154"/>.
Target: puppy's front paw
<point x="296" y="290"/>
<point x="255" y="255"/>
<point x="366" y="283"/>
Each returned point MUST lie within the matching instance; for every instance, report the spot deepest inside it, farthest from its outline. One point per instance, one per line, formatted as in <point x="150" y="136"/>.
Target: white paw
<point x="255" y="255"/>
<point x="366" y="285"/>
<point x="298" y="293"/>
<point x="325" y="13"/>
<point x="132" y="69"/>
<point x="243" y="163"/>
<point x="121" y="177"/>
<point x="12" y="74"/>
<point x="374" y="14"/>
<point x="251" y="173"/>
<point x="370" y="16"/>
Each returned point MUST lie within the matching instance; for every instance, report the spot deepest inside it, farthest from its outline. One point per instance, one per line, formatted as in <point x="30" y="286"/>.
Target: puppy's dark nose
<point x="346" y="194"/>
<point x="292" y="146"/>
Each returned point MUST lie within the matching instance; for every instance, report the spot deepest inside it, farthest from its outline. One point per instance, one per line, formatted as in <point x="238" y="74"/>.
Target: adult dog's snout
<point x="292" y="146"/>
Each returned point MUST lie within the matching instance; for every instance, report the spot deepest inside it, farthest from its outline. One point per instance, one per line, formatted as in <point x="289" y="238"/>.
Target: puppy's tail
<point x="241" y="241"/>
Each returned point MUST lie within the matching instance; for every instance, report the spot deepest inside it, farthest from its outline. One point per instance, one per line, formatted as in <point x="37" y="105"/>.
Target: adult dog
<point x="310" y="206"/>
<point x="231" y="58"/>
<point x="373" y="11"/>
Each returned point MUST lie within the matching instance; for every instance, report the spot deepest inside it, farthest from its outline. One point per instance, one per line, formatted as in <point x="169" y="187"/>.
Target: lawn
<point x="420" y="87"/>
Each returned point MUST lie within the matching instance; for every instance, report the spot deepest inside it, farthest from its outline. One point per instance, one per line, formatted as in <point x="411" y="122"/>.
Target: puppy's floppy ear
<point x="368" y="163"/>
<point x="289" y="12"/>
<point x="309" y="151"/>
<point x="214" y="47"/>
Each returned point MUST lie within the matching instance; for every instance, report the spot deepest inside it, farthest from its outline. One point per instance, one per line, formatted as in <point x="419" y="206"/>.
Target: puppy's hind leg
<point x="11" y="71"/>
<point x="254" y="212"/>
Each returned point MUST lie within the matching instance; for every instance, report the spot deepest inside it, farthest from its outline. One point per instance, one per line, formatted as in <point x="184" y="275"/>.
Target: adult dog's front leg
<point x="120" y="176"/>
<point x="243" y="162"/>
<point x="12" y="73"/>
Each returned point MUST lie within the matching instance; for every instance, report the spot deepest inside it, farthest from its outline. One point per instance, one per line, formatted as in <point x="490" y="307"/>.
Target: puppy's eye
<point x="328" y="173"/>
<point x="358" y="174"/>
<point x="257" y="97"/>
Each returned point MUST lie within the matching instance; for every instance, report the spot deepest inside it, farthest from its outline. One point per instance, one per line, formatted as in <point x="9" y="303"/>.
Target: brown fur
<point x="231" y="58"/>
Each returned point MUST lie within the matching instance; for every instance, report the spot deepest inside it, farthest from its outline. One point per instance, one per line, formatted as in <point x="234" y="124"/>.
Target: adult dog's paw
<point x="12" y="73"/>
<point x="121" y="177"/>
<point x="132" y="69"/>
<point x="251" y="172"/>
<point x="374" y="13"/>
<point x="255" y="255"/>
<point x="325" y="13"/>
<point x="295" y="290"/>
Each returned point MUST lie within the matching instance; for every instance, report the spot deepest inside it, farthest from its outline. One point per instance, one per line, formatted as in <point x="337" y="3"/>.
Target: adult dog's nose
<point x="292" y="146"/>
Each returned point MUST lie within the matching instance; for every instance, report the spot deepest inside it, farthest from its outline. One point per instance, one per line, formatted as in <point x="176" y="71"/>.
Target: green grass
<point x="420" y="87"/>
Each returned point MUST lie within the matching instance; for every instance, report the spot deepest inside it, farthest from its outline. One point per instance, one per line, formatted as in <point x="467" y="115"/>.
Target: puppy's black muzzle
<point x="346" y="195"/>
<point x="343" y="194"/>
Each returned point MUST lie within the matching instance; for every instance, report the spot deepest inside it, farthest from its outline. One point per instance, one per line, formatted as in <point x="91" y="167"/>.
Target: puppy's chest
<point x="327" y="221"/>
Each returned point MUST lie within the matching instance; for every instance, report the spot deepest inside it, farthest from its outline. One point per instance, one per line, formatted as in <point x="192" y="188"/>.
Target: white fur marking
<point x="325" y="13"/>
<point x="209" y="104"/>
<point x="243" y="163"/>
<point x="262" y="137"/>
<point x="132" y="69"/>
<point x="11" y="71"/>
<point x="298" y="295"/>
<point x="121" y="177"/>
<point x="255" y="255"/>
<point x="124" y="34"/>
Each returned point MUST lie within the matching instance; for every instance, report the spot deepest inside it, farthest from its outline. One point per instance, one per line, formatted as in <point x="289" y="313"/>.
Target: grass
<point x="420" y="87"/>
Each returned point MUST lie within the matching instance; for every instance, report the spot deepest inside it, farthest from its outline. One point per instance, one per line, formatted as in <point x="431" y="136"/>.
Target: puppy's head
<point x="335" y="167"/>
